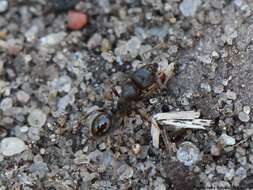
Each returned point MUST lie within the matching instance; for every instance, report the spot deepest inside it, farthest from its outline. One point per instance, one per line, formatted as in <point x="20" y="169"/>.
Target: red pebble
<point x="76" y="20"/>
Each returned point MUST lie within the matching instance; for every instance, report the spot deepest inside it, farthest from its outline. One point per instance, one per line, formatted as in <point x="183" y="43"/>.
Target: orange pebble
<point x="76" y="20"/>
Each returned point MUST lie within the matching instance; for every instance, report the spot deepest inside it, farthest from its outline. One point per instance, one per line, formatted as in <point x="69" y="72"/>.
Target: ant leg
<point x="169" y="146"/>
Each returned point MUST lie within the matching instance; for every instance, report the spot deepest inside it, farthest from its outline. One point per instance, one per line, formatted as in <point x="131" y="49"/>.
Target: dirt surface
<point x="51" y="75"/>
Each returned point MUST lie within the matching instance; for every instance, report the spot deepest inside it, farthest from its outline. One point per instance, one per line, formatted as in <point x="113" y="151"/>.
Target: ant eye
<point x="101" y="124"/>
<point x="144" y="76"/>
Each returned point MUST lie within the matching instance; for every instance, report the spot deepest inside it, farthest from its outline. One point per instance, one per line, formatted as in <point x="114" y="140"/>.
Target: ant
<point x="141" y="83"/>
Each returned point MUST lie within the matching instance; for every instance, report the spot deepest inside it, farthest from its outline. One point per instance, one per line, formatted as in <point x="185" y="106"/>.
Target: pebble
<point x="218" y="89"/>
<point x="63" y="84"/>
<point x="244" y="117"/>
<point x="133" y="46"/>
<point x="215" y="55"/>
<point x="94" y="41"/>
<point x="11" y="145"/>
<point x="6" y="104"/>
<point x="227" y="140"/>
<point x="22" y="96"/>
<point x="221" y="169"/>
<point x="159" y="184"/>
<point x="189" y="7"/>
<point x="216" y="149"/>
<point x="32" y="33"/>
<point x="3" y="132"/>
<point x="37" y="118"/>
<point x="52" y="39"/>
<point x="136" y="148"/>
<point x="3" y="5"/>
<point x="206" y="87"/>
<point x="34" y="133"/>
<point x="230" y="174"/>
<point x="188" y="153"/>
<point x="125" y="172"/>
<point x="246" y="109"/>
<point x="76" y="20"/>
<point x="231" y="95"/>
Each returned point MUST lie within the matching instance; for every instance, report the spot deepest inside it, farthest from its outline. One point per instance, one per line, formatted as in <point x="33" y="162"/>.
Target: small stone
<point x="133" y="46"/>
<point x="3" y="5"/>
<point x="108" y="56"/>
<point x="39" y="168"/>
<point x="31" y="34"/>
<point x="221" y="169"/>
<point x="125" y="172"/>
<point x="37" y="118"/>
<point x="218" y="89"/>
<point x="216" y="150"/>
<point x="206" y="87"/>
<point x="231" y="95"/>
<point x="102" y="146"/>
<point x="188" y="153"/>
<point x="34" y="133"/>
<point x="243" y="117"/>
<point x="52" y="39"/>
<point x="189" y="7"/>
<point x="24" y="129"/>
<point x="215" y="55"/>
<point x="3" y="132"/>
<point x="230" y="174"/>
<point x="227" y="140"/>
<point x="136" y="148"/>
<point x="76" y="20"/>
<point x="11" y="145"/>
<point x="106" y="45"/>
<point x="63" y="84"/>
<point x="94" y="41"/>
<point x="159" y="184"/>
<point x="246" y="109"/>
<point x="22" y="96"/>
<point x="42" y="151"/>
<point x="6" y="104"/>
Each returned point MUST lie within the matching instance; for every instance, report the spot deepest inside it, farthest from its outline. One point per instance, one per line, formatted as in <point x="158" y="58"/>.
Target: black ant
<point x="140" y="84"/>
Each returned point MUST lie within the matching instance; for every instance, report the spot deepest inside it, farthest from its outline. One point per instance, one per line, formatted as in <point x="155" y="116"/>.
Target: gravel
<point x="52" y="74"/>
<point x="37" y="118"/>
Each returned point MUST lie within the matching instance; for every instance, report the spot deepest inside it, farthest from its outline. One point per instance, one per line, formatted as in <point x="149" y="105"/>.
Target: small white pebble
<point x="11" y="145"/>
<point x="231" y="95"/>
<point x="227" y="140"/>
<point x="153" y="100"/>
<point x="246" y="109"/>
<point x="215" y="55"/>
<point x="24" y="129"/>
<point x="3" y="5"/>
<point x="243" y="117"/>
<point x="206" y="87"/>
<point x="218" y="89"/>
<point x="37" y="118"/>
<point x="136" y="148"/>
<point x="22" y="96"/>
<point x="6" y="104"/>
<point x="42" y="151"/>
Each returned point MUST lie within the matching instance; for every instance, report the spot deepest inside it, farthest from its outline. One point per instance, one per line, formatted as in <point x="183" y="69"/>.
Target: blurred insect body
<point x="141" y="83"/>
